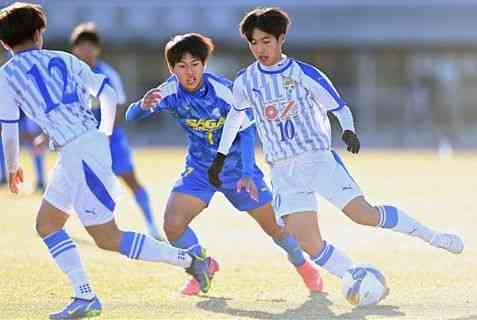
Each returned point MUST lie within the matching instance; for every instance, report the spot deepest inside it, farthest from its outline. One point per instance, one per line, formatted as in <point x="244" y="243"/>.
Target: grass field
<point x="256" y="281"/>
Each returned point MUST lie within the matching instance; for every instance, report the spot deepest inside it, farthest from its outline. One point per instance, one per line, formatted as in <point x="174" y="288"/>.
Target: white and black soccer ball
<point x="364" y="285"/>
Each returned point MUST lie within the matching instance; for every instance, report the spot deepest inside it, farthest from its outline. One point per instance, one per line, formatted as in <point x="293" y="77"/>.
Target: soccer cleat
<point x="199" y="269"/>
<point x="450" y="242"/>
<point x="192" y="286"/>
<point x="311" y="276"/>
<point x="79" y="308"/>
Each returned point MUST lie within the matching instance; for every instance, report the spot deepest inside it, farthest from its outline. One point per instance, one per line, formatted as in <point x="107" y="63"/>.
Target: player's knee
<point x="45" y="228"/>
<point x="173" y="226"/>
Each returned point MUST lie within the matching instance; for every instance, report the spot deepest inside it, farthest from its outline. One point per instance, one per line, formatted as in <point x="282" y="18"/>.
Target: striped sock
<point x="395" y="219"/>
<point x="141" y="247"/>
<point x="64" y="252"/>
<point x="333" y="260"/>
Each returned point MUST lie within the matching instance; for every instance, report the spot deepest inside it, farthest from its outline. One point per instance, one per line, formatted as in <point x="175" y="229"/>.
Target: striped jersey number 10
<point x="287" y="130"/>
<point x="66" y="97"/>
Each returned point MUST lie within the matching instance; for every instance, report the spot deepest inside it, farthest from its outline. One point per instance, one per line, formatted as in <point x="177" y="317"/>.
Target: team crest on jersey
<point x="280" y="110"/>
<point x="288" y="83"/>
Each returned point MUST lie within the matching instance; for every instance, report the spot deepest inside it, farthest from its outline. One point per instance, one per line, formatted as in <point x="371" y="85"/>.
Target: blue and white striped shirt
<point x="290" y="102"/>
<point x="53" y="89"/>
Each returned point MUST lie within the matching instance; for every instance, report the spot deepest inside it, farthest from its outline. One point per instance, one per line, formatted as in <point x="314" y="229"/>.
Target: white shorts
<point x="83" y="181"/>
<point x="296" y="181"/>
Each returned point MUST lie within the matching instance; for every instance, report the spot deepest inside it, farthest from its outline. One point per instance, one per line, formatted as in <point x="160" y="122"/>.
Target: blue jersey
<point x="202" y="115"/>
<point x="114" y="80"/>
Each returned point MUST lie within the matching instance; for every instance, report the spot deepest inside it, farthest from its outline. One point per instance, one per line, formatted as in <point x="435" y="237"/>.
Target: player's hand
<point x="15" y="180"/>
<point x="151" y="99"/>
<point x="215" y="169"/>
<point x="351" y="140"/>
<point x="248" y="184"/>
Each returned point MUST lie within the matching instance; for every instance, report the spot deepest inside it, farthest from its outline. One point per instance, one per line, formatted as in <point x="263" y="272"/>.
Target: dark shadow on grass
<point x="317" y="307"/>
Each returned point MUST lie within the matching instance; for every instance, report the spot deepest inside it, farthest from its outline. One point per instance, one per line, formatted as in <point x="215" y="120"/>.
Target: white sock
<point x="66" y="256"/>
<point x="139" y="246"/>
<point x="333" y="260"/>
<point x="396" y="220"/>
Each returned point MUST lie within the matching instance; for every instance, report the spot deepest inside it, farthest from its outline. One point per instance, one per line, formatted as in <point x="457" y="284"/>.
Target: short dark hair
<point x="273" y="20"/>
<point x="19" y="22"/>
<point x="195" y="44"/>
<point x="85" y="31"/>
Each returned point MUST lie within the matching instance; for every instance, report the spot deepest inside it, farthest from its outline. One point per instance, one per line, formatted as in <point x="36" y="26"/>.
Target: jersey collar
<point x="279" y="67"/>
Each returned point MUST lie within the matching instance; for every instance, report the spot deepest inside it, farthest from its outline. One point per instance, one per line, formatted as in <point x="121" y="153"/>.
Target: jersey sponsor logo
<point x="205" y="124"/>
<point x="281" y="110"/>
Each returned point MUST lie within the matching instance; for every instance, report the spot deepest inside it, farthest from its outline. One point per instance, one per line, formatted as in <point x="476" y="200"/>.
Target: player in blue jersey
<point x="290" y="101"/>
<point x="200" y="101"/>
<point x="86" y="44"/>
<point x="29" y="133"/>
<point x="53" y="88"/>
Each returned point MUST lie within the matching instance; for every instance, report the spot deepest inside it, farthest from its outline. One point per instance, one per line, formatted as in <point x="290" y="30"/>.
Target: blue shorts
<point x="120" y="152"/>
<point x="195" y="183"/>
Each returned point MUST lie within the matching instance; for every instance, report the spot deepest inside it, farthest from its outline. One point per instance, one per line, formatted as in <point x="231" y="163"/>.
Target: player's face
<point x="189" y="70"/>
<point x="87" y="51"/>
<point x="265" y="47"/>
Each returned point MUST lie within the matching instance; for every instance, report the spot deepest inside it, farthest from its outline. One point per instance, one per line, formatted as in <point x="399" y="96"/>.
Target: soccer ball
<point x="364" y="285"/>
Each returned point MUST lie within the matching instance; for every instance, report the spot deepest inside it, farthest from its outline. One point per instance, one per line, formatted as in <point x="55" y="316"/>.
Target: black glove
<point x="215" y="169"/>
<point x="351" y="140"/>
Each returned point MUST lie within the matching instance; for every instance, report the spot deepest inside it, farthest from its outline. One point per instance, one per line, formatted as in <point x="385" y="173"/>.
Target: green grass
<point x="256" y="281"/>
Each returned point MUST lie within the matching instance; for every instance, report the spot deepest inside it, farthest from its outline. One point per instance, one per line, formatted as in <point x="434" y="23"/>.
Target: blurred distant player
<point x="200" y="101"/>
<point x="290" y="101"/>
<point x="53" y="89"/>
<point x="3" y="170"/>
<point x="86" y="45"/>
<point x="29" y="131"/>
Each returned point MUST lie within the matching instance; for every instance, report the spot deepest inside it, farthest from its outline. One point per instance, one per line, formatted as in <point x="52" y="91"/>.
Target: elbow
<point x="132" y="112"/>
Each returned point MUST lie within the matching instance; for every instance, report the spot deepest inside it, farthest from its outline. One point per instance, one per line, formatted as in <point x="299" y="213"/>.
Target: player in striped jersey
<point x="290" y="101"/>
<point x="86" y="45"/>
<point x="200" y="101"/>
<point x="53" y="89"/>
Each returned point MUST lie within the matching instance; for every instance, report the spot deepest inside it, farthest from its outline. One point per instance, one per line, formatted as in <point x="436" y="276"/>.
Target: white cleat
<point x="450" y="242"/>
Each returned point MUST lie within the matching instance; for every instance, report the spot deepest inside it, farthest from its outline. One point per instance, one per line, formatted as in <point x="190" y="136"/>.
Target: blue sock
<point x="131" y="244"/>
<point x="142" y="199"/>
<point x="291" y="246"/>
<point x="188" y="240"/>
<point x="40" y="168"/>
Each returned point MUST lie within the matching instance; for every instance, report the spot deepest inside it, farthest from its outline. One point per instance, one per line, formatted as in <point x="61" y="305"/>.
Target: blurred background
<point x="408" y="69"/>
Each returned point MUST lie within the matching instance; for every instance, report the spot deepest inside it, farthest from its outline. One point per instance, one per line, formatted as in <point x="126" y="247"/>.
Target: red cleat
<point x="192" y="287"/>
<point x="311" y="276"/>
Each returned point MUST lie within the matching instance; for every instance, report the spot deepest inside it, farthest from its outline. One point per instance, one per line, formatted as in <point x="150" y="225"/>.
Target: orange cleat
<point x="311" y="276"/>
<point x="192" y="287"/>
